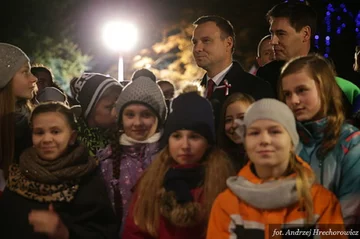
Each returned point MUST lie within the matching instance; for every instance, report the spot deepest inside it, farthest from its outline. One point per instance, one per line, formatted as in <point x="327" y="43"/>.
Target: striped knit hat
<point x="89" y="88"/>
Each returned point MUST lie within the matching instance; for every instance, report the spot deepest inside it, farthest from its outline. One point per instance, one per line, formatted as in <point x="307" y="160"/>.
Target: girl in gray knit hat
<point x="141" y="112"/>
<point x="17" y="86"/>
<point x="274" y="193"/>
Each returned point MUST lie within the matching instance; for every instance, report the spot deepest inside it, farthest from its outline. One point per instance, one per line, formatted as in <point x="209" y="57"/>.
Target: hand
<point x="48" y="222"/>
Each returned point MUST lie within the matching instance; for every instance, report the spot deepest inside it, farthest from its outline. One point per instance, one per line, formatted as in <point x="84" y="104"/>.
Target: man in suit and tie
<point x="213" y="46"/>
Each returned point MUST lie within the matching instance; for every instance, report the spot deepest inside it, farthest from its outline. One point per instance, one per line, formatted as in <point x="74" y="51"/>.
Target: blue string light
<point x="327" y="19"/>
<point x="335" y="19"/>
<point x="316" y="42"/>
<point x="357" y="27"/>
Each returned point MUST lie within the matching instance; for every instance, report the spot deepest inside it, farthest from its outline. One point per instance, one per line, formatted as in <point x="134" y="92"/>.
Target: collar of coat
<point x="273" y="193"/>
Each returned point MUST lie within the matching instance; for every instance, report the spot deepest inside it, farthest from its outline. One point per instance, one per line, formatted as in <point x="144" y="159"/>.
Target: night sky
<point x="82" y="20"/>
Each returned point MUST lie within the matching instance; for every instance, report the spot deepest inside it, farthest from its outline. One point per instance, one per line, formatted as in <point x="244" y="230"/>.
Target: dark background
<point x="82" y="21"/>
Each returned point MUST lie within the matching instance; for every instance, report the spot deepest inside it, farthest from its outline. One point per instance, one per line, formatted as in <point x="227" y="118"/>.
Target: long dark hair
<point x="235" y="152"/>
<point x="7" y="127"/>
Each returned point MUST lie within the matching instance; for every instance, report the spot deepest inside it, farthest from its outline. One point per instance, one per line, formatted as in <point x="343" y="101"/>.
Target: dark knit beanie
<point x="190" y="111"/>
<point x="89" y="88"/>
<point x="12" y="59"/>
<point x="143" y="90"/>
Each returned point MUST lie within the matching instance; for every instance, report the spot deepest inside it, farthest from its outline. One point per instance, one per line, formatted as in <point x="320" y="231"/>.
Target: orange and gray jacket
<point x="254" y="208"/>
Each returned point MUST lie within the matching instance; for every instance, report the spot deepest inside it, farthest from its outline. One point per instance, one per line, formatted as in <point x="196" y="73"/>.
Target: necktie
<point x="210" y="88"/>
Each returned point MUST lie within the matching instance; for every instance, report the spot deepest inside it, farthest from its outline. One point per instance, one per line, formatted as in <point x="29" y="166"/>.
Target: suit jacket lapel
<point x="219" y="93"/>
<point x="203" y="81"/>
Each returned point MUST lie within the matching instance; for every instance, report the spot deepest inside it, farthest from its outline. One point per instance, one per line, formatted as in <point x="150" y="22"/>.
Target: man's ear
<point x="229" y="42"/>
<point x="73" y="137"/>
<point x="258" y="60"/>
<point x="306" y="33"/>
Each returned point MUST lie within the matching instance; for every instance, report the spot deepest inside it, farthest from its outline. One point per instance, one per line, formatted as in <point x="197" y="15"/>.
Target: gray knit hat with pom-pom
<point x="143" y="90"/>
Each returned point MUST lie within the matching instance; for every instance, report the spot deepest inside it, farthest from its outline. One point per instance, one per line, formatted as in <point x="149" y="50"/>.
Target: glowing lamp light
<point x="120" y="36"/>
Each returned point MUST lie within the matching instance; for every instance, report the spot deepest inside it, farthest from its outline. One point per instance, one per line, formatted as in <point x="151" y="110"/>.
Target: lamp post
<point x="120" y="37"/>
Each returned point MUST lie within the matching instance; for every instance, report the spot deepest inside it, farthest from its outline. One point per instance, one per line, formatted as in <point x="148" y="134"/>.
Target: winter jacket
<point x="22" y="134"/>
<point x="350" y="90"/>
<point x="89" y="215"/>
<point x="339" y="171"/>
<point x="166" y="229"/>
<point x="93" y="138"/>
<point x="135" y="158"/>
<point x="254" y="208"/>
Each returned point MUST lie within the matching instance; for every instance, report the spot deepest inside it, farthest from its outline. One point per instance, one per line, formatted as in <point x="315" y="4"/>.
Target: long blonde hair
<point x="7" y="126"/>
<point x="304" y="180"/>
<point x="147" y="206"/>
<point x="330" y="95"/>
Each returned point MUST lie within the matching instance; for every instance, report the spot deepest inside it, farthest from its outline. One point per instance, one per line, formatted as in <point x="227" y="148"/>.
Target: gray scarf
<point x="269" y="195"/>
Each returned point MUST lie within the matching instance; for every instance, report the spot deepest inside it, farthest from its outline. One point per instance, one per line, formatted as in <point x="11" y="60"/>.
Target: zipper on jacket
<point x="321" y="171"/>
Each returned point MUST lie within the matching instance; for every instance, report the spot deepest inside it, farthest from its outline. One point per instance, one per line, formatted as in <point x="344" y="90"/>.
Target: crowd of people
<point x="240" y="156"/>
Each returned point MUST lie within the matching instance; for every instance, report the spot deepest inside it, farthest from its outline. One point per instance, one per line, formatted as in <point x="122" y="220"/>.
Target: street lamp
<point x="120" y="37"/>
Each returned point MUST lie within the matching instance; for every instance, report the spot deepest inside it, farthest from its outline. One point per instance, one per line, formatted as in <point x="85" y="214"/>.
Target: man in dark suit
<point x="213" y="45"/>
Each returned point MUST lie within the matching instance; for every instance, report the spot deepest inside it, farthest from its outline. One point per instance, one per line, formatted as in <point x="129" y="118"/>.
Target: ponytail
<point x="304" y="180"/>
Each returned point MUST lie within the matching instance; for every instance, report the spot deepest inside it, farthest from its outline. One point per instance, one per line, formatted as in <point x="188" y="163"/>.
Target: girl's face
<point x="187" y="146"/>
<point x="102" y="115"/>
<point x="51" y="135"/>
<point x="44" y="80"/>
<point x="234" y="111"/>
<point x="268" y="145"/>
<point x="139" y="122"/>
<point x="302" y="96"/>
<point x="24" y="83"/>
